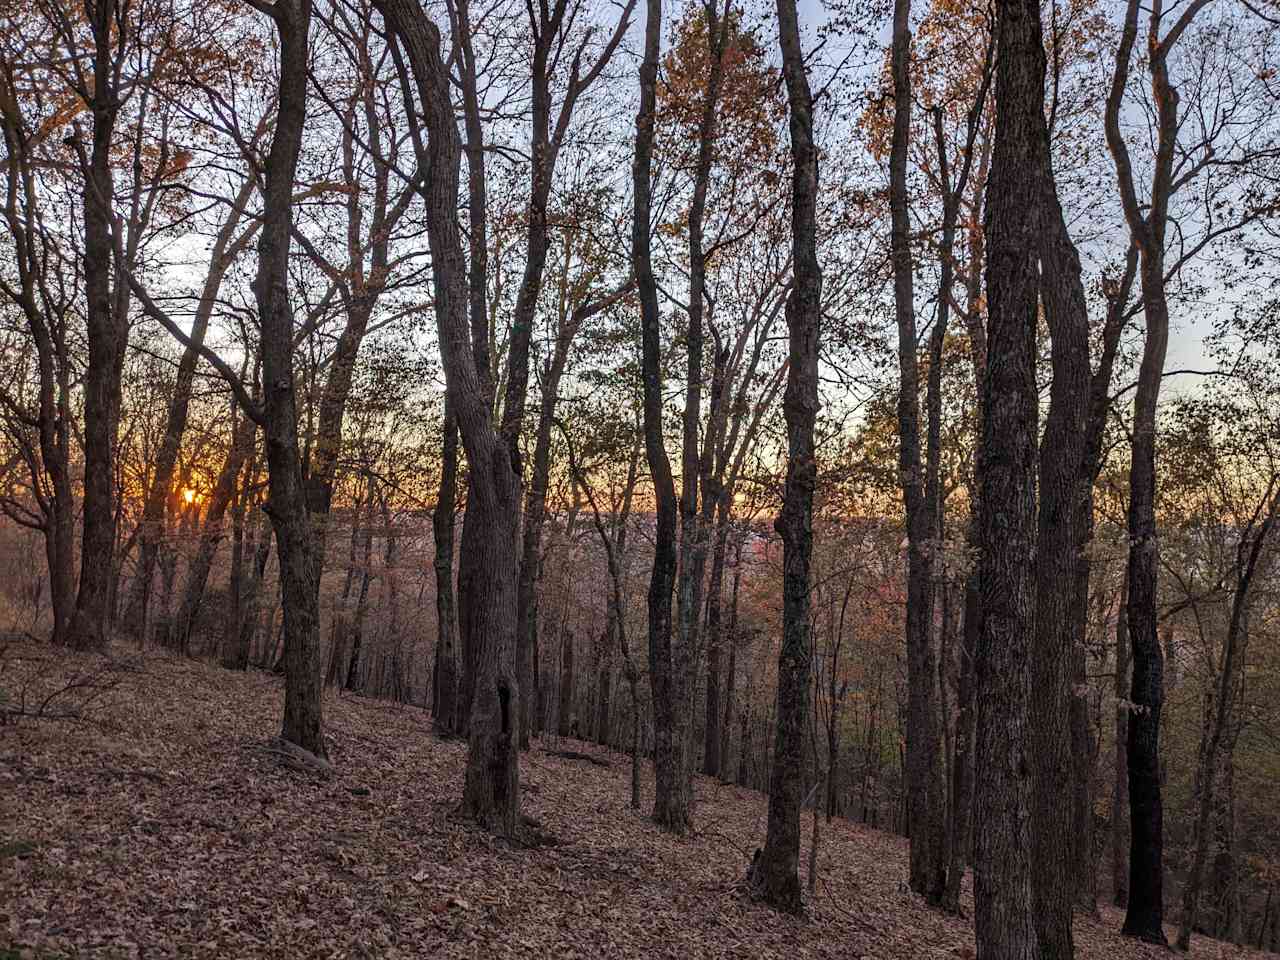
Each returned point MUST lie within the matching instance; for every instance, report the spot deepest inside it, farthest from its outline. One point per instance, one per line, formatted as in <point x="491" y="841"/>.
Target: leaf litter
<point x="156" y="825"/>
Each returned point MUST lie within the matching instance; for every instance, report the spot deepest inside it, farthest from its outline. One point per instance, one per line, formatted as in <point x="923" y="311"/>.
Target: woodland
<point x="602" y="478"/>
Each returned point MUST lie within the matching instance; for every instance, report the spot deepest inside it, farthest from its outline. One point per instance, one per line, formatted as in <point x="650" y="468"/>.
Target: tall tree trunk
<point x="695" y="462"/>
<point x="960" y="826"/>
<point x="286" y="499"/>
<point x="672" y="800"/>
<point x="107" y="324"/>
<point x="1145" y="916"/>
<point x="923" y="768"/>
<point x="1004" y="914"/>
<point x="1147" y="220"/>
<point x="491" y="793"/>
<point x="1062" y="530"/>
<point x="777" y="874"/>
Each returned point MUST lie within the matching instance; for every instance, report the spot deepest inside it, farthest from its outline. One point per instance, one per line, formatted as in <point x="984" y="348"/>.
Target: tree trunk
<point x="491" y="794"/>
<point x="444" y="674"/>
<point x="960" y="827"/>
<point x="731" y="674"/>
<point x="286" y="500"/>
<point x="211" y="536"/>
<point x="1004" y="914"/>
<point x="672" y="808"/>
<point x="777" y="871"/>
<point x="1145" y="916"/>
<point x="1120" y="785"/>
<point x="1062" y="530"/>
<point x="923" y="766"/>
<point x="107" y="325"/>
<point x="567" y="719"/>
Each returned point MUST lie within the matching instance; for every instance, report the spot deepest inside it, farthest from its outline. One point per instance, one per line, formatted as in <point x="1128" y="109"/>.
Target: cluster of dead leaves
<point x="159" y="830"/>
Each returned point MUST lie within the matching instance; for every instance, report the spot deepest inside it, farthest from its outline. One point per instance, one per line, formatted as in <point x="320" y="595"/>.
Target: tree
<point x="44" y="294"/>
<point x="924" y="771"/>
<point x="286" y="500"/>
<point x="1003" y="917"/>
<point x="1251" y="522"/>
<point x="776" y="872"/>
<point x="550" y="28"/>
<point x="492" y="790"/>
<point x="667" y="667"/>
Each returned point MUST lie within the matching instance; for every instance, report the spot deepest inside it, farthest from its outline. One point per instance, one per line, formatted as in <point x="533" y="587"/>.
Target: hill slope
<point x="162" y="828"/>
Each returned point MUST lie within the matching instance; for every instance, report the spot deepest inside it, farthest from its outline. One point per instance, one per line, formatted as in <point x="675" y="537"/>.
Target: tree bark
<point x="923" y="767"/>
<point x="672" y="808"/>
<point x="286" y="500"/>
<point x="107" y="323"/>
<point x="491" y="794"/>
<point x="777" y="871"/>
<point x="1063" y="523"/>
<point x="444" y="674"/>
<point x="1004" y="913"/>
<point x="1120" y="786"/>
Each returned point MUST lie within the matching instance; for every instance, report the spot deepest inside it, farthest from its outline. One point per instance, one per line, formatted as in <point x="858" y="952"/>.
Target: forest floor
<point x="156" y="825"/>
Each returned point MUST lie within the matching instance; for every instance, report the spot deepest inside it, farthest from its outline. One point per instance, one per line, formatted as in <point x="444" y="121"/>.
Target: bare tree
<point x="492" y="791"/>
<point x="777" y="871"/>
<point x="1004" y="917"/>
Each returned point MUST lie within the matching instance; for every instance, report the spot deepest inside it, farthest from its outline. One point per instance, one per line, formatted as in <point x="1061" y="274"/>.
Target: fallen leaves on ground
<point x="156" y="827"/>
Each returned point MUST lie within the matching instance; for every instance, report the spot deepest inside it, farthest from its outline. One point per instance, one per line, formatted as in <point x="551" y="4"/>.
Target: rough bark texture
<point x="107" y="327"/>
<point x="491" y="794"/>
<point x="286" y="499"/>
<point x="673" y="800"/>
<point x="1062" y="531"/>
<point x="1004" y="914"/>
<point x="925" y="813"/>
<point x="777" y="874"/>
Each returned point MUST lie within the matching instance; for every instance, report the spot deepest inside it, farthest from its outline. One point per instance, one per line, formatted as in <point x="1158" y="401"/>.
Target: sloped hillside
<point x="158" y="826"/>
